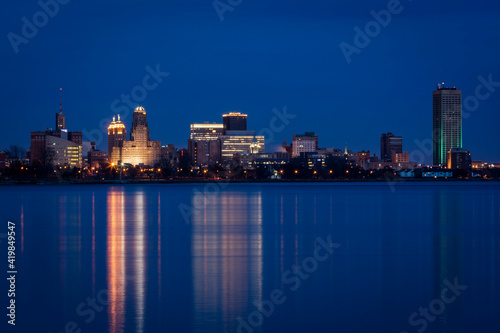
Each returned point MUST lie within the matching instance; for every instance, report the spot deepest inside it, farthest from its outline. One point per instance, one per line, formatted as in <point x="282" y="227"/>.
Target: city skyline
<point x="199" y="72"/>
<point x="447" y="102"/>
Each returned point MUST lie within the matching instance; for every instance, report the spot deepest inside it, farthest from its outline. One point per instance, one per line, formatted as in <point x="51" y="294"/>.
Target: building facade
<point x="304" y="143"/>
<point x="234" y="121"/>
<point x="459" y="158"/>
<point x="446" y="122"/>
<point x="140" y="150"/>
<point x="240" y="142"/>
<point x="117" y="134"/>
<point x="61" y="152"/>
<point x="390" y="144"/>
<point x="204" y="144"/>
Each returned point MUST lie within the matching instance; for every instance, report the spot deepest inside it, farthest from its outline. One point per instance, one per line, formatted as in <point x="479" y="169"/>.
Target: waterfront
<point x="197" y="257"/>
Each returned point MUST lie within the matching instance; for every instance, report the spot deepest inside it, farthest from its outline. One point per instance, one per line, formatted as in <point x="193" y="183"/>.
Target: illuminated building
<point x="400" y="157"/>
<point x="40" y="140"/>
<point x="390" y="144"/>
<point x="234" y="121"/>
<point x="206" y="131"/>
<point x="447" y="122"/>
<point x="140" y="149"/>
<point x="459" y="158"/>
<point x="61" y="152"/>
<point x="239" y="142"/>
<point x="304" y="143"/>
<point x="203" y="138"/>
<point x="117" y="134"/>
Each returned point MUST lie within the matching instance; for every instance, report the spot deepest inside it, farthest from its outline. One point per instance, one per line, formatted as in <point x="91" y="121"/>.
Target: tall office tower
<point x="206" y="131"/>
<point x="140" y="130"/>
<point x="240" y="142"/>
<point x="234" y="121"/>
<point x="139" y="150"/>
<point x="302" y="143"/>
<point x="390" y="144"/>
<point x="446" y="121"/>
<point x="199" y="143"/>
<point x="117" y="134"/>
<point x="60" y="117"/>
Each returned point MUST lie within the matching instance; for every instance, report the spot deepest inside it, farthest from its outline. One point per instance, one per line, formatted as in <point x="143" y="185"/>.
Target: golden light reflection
<point x="116" y="260"/>
<point x="227" y="256"/>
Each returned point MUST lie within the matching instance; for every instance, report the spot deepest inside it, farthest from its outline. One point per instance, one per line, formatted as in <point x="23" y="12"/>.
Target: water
<point x="192" y="258"/>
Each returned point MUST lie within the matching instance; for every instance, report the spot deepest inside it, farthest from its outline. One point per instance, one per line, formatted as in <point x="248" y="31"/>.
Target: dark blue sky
<point x="263" y="55"/>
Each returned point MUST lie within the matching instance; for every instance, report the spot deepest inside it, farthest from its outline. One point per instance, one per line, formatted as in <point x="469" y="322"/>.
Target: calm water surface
<point x="191" y="258"/>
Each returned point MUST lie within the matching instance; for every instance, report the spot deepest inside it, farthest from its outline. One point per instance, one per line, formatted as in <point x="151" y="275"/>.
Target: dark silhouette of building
<point x="234" y="121"/>
<point x="459" y="158"/>
<point x="446" y="122"/>
<point x="60" y="117"/>
<point x="390" y="144"/>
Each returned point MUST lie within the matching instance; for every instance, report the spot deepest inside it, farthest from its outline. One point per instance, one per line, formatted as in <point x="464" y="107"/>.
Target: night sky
<point x="263" y="55"/>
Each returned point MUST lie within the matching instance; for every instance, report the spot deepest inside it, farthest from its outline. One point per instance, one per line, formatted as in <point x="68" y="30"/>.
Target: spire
<point x="113" y="118"/>
<point x="118" y="117"/>
<point x="60" y="100"/>
<point x="345" y="150"/>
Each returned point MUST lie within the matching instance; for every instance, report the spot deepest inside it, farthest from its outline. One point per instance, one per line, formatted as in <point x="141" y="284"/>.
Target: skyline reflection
<point x="227" y="257"/>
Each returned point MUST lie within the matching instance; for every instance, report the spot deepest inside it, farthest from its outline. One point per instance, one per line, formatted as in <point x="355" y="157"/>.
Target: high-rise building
<point x="303" y="143"/>
<point x="140" y="129"/>
<point x="60" y="121"/>
<point x="60" y="117"/>
<point x="206" y="131"/>
<point x="199" y="143"/>
<point x="234" y="121"/>
<point x="140" y="150"/>
<point x="239" y="142"/>
<point x="61" y="152"/>
<point x="42" y="145"/>
<point x="459" y="158"/>
<point x="390" y="144"/>
<point x="447" y="122"/>
<point x="117" y="134"/>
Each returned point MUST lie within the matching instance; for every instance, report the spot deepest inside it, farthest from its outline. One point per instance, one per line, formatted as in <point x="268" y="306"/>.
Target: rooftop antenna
<point x="60" y="100"/>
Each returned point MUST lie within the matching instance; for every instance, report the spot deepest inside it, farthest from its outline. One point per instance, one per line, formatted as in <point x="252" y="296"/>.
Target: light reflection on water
<point x="162" y="274"/>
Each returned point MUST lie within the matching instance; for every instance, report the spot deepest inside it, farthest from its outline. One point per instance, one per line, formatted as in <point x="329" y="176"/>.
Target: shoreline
<point x="235" y="181"/>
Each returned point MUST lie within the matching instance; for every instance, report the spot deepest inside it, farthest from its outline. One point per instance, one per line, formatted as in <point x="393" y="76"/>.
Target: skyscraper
<point x="140" y="129"/>
<point x="199" y="144"/>
<point x="446" y="121"/>
<point x="234" y="121"/>
<point x="117" y="134"/>
<point x="390" y="144"/>
<point x="140" y="149"/>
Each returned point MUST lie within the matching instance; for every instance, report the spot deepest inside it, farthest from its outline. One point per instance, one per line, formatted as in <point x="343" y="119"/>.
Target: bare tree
<point x="16" y="152"/>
